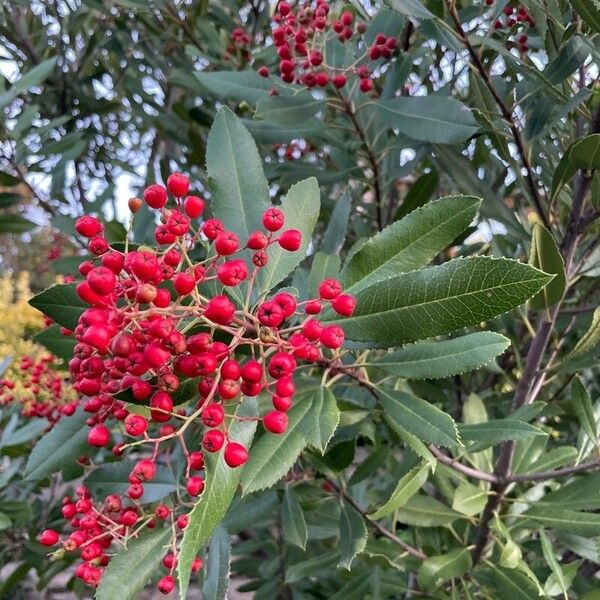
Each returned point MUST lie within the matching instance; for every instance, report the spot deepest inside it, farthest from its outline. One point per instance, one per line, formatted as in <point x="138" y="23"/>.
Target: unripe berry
<point x="273" y="219"/>
<point x="193" y="206"/>
<point x="88" y="226"/>
<point x="98" y="436"/>
<point x="290" y="240"/>
<point x="155" y="196"/>
<point x="213" y="440"/>
<point x="235" y="454"/>
<point x="178" y="184"/>
<point x="134" y="204"/>
<point x="49" y="537"/>
<point x="275" y="421"/>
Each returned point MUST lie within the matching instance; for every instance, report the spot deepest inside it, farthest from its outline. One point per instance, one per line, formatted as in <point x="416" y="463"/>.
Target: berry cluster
<point x="187" y="309"/>
<point x="238" y="47"/>
<point x="517" y="20"/>
<point x="300" y="35"/>
<point x="42" y="389"/>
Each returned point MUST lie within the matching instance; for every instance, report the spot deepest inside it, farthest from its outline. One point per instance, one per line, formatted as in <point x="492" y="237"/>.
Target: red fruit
<point x="285" y="387"/>
<point x="135" y="425"/>
<point x="263" y="71"/>
<point x="196" y="564"/>
<point x="155" y="196"/>
<point x="339" y="81"/>
<point x="193" y="206"/>
<point x="98" y="245"/>
<point x="231" y="369"/>
<point x="252" y="372"/>
<point x="213" y="415"/>
<point x="184" y="283"/>
<point x="178" y="224"/>
<point x="178" y="184"/>
<point x="156" y="355"/>
<point x="88" y="226"/>
<point x="282" y="403"/>
<point x="220" y="309"/>
<point x="286" y="302"/>
<point x="270" y="314"/>
<point x="226" y="243"/>
<point x="284" y="8"/>
<point x="162" y="511"/>
<point x="114" y="261"/>
<point x="330" y="289"/>
<point x="141" y="389"/>
<point x="169" y="561"/>
<point x="313" y="307"/>
<point x="322" y="79"/>
<point x="332" y="336"/>
<point x="235" y="454"/>
<point x="49" y="537"/>
<point x="213" y="440"/>
<point x="97" y="336"/>
<point x="162" y="235"/>
<point x="365" y="85"/>
<point x="281" y="364"/>
<point x="290" y="240"/>
<point x="275" y="421"/>
<point x="257" y="240"/>
<point x="273" y="219"/>
<point x="162" y="405"/>
<point x="102" y="280"/>
<point x="195" y="485"/>
<point x="182" y="521"/>
<point x="312" y="329"/>
<point x="145" y="469"/>
<point x="135" y="491"/>
<point x="260" y="258"/>
<point x="347" y="18"/>
<point x="232" y="273"/>
<point x="344" y="305"/>
<point x="286" y="67"/>
<point x="166" y="585"/>
<point x="98" y="436"/>
<point x="212" y="228"/>
<point x="196" y="460"/>
<point x="162" y="299"/>
<point x="374" y="52"/>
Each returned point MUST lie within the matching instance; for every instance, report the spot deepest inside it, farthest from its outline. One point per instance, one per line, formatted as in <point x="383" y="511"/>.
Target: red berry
<point x="197" y="564"/>
<point x="260" y="258"/>
<point x="275" y="421"/>
<point x="212" y="228"/>
<point x="220" y="309"/>
<point x="263" y="71"/>
<point x="166" y="585"/>
<point x="178" y="224"/>
<point x="162" y="406"/>
<point x="135" y="425"/>
<point x="155" y="196"/>
<point x="195" y="485"/>
<point x="88" y="226"/>
<point x="273" y="219"/>
<point x="213" y="415"/>
<point x="312" y="329"/>
<point x="134" y="205"/>
<point x="232" y="273"/>
<point x="344" y="305"/>
<point x="281" y="365"/>
<point x="252" y="372"/>
<point x="226" y="243"/>
<point x="339" y="81"/>
<point x="284" y="8"/>
<point x="332" y="337"/>
<point x="178" y="184"/>
<point x="49" y="537"/>
<point x="282" y="403"/>
<point x="228" y="389"/>
<point x="290" y="240"/>
<point x="270" y="314"/>
<point x="330" y="289"/>
<point x="196" y="460"/>
<point x="98" y="436"/>
<point x="257" y="240"/>
<point x="285" y="387"/>
<point x="213" y="440"/>
<point x="184" y="283"/>
<point x="193" y="206"/>
<point x="182" y="521"/>
<point x="235" y="454"/>
<point x="162" y="299"/>
<point x="286" y="302"/>
<point x="365" y="85"/>
<point x="231" y="369"/>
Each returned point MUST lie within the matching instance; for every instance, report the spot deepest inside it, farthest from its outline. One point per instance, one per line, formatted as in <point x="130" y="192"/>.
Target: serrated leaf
<point x="434" y="119"/>
<point x="427" y="422"/>
<point x="405" y="489"/>
<point x="419" y="194"/>
<point x="469" y="499"/>
<point x="591" y="338"/>
<point x="60" y="345"/>
<point x="370" y="465"/>
<point x="301" y="210"/>
<point x="582" y="405"/>
<point x="511" y="584"/>
<point x="409" y="243"/>
<point x="433" y="360"/>
<point x="129" y="570"/>
<point x="435" y="301"/>
<point x="292" y="520"/>
<point x="546" y="257"/>
<point x="221" y="484"/>
<point x="218" y="566"/>
<point x="236" y="85"/>
<point x="425" y="511"/>
<point x="412" y="441"/>
<point x="288" y="110"/>
<point x="324" y="266"/>
<point x="567" y="520"/>
<point x="320" y="422"/>
<point x="61" y="303"/>
<point x="583" y="492"/>
<point x="353" y="536"/>
<point x="553" y="459"/>
<point x="498" y="430"/>
<point x="582" y="154"/>
<point x="443" y="567"/>
<point x="59" y="448"/>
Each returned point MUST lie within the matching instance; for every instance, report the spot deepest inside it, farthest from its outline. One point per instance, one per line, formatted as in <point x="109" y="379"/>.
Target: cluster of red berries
<point x="238" y="47"/>
<point x="162" y="315"/>
<point x="97" y="526"/>
<point x="43" y="389"/>
<point x="517" y="20"/>
<point x="300" y="35"/>
<point x="293" y="150"/>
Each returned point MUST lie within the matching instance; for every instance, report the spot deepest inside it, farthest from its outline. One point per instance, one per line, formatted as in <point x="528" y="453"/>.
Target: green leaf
<point x="553" y="459"/>
<point x="498" y="430"/>
<point x="239" y="189"/>
<point x="335" y="234"/>
<point x="582" y="405"/>
<point x="469" y="499"/>
<point x="129" y="570"/>
<point x="433" y="119"/>
<point x="236" y="85"/>
<point x="546" y="257"/>
<point x="353" y="536"/>
<point x="420" y="192"/>
<point x="411" y="440"/>
<point x="411" y="8"/>
<point x="292" y="520"/>
<point x="61" y="303"/>
<point x="59" y="448"/>
<point x="433" y="360"/>
<point x="583" y="154"/>
<point x="60" y="345"/>
<point x="8" y="180"/>
<point x="589" y="11"/>
<point x="437" y="300"/>
<point x="370" y="465"/>
<point x="443" y="567"/>
<point x="5" y="521"/>
<point x="570" y="57"/>
<point x="312" y="567"/>
<point x="427" y="422"/>
<point x="591" y="338"/>
<point x="583" y="492"/>
<point x="218" y="566"/>
<point x="425" y="511"/>
<point x="551" y="561"/>
<point x="113" y="478"/>
<point x="9" y="199"/>
<point x="301" y="211"/>
<point x="11" y="223"/>
<point x="220" y="486"/>
<point x="410" y="243"/>
<point x="288" y="110"/>
<point x="562" y="519"/>
<point x="24" y="434"/>
<point x="511" y="584"/>
<point x="323" y="266"/>
<point x="406" y="488"/>
<point x="322" y="419"/>
<point x="32" y="78"/>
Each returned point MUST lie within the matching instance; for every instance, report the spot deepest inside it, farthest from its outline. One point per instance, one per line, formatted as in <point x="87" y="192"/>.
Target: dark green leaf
<point x="292" y="520"/>
<point x="11" y="223"/>
<point x="353" y="535"/>
<point x="288" y="110"/>
<point x="582" y="154"/>
<point x="60" y="345"/>
<point x="582" y="405"/>
<point x="61" y="303"/>
<point x="443" y="567"/>
<point x="419" y="194"/>
<point x="216" y="579"/>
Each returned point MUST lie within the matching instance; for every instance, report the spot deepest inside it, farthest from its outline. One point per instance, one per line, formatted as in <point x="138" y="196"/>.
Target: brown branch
<point x="506" y="113"/>
<point x="376" y="525"/>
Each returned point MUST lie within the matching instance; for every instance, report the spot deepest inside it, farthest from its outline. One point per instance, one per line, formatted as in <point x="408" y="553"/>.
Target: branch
<point x="377" y="526"/>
